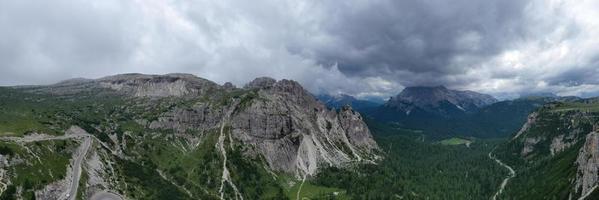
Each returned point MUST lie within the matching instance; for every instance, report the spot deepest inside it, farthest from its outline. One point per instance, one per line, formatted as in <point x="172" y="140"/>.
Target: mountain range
<point x="442" y="112"/>
<point x="174" y="136"/>
<point x="178" y="136"/>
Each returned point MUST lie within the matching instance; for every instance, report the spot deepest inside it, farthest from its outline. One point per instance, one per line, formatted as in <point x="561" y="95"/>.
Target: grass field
<point x="577" y="106"/>
<point x="309" y="190"/>
<point x="455" y="141"/>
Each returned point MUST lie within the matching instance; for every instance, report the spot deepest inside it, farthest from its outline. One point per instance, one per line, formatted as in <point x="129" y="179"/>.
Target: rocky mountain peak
<point x="280" y="120"/>
<point x="437" y="97"/>
<point x="261" y="83"/>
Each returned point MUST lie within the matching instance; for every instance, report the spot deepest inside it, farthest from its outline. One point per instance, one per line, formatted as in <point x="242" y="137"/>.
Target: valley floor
<point x="417" y="169"/>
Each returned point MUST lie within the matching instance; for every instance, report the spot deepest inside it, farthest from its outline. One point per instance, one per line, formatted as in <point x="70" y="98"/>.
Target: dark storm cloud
<point x="419" y="36"/>
<point x="364" y="48"/>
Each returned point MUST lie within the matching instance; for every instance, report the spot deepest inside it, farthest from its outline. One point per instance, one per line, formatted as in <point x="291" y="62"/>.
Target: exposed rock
<point x="529" y="144"/>
<point x="140" y="85"/>
<point x="532" y="118"/>
<point x="136" y="85"/>
<point x="261" y="83"/>
<point x="560" y="143"/>
<point x="200" y="117"/>
<point x="588" y="165"/>
<point x="293" y="131"/>
<point x="296" y="133"/>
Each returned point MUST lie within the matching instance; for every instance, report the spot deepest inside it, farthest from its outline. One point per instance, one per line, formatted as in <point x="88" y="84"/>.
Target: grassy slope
<point x="33" y="174"/>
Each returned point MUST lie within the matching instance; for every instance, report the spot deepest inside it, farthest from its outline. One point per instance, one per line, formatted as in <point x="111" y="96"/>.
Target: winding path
<point x="505" y="181"/>
<point x="77" y="168"/>
<point x="79" y="157"/>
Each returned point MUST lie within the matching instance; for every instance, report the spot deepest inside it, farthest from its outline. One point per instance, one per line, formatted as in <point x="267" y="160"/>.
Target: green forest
<point x="414" y="168"/>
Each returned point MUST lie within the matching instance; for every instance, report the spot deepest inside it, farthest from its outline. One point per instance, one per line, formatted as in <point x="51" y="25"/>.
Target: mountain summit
<point x="439" y="100"/>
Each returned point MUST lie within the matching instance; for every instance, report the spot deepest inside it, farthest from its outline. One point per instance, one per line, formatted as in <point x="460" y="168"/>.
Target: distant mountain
<point x="438" y="101"/>
<point x="442" y="112"/>
<point x="340" y="100"/>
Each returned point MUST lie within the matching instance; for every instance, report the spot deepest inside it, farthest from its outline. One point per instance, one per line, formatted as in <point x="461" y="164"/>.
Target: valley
<point x="178" y="136"/>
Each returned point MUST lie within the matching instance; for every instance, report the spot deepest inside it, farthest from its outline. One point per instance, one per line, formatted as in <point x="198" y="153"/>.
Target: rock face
<point x="559" y="147"/>
<point x="532" y="118"/>
<point x="298" y="134"/>
<point x="588" y="165"/>
<point x="140" y="85"/>
<point x="433" y="99"/>
<point x="293" y="131"/>
<point x="136" y="85"/>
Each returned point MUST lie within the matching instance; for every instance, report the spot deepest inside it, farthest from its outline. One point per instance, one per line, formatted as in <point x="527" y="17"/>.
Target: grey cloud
<point x="419" y="36"/>
<point x="364" y="48"/>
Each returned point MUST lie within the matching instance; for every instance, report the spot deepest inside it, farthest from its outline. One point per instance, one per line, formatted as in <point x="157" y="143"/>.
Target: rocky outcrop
<point x="135" y="85"/>
<point x="283" y="123"/>
<point x="529" y="145"/>
<point x="561" y="143"/>
<point x="588" y="165"/>
<point x="298" y="134"/>
<point x="532" y="118"/>
<point x="140" y="85"/>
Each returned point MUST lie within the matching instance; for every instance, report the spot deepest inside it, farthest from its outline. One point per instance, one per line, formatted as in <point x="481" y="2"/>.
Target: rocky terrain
<point x="176" y="136"/>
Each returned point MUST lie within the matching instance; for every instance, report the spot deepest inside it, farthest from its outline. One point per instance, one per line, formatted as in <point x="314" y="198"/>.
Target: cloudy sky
<point x="366" y="48"/>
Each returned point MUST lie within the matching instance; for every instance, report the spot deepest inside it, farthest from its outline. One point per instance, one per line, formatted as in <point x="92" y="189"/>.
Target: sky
<point x="364" y="48"/>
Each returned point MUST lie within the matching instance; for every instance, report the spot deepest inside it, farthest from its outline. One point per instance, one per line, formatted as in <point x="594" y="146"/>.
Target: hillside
<point x="172" y="136"/>
<point x="554" y="154"/>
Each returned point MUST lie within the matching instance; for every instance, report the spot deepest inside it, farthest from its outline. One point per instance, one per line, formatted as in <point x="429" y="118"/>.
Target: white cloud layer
<point x="363" y="48"/>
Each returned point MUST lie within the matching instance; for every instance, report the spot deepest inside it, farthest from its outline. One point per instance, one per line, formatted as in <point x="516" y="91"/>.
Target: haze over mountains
<point x="445" y="112"/>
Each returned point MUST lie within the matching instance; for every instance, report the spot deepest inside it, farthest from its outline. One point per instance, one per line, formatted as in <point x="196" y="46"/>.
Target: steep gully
<point x="226" y="177"/>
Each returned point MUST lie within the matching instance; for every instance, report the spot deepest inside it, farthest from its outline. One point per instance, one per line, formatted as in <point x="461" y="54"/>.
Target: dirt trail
<point x="72" y="194"/>
<point x="299" y="190"/>
<point x="505" y="181"/>
<point x="79" y="157"/>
